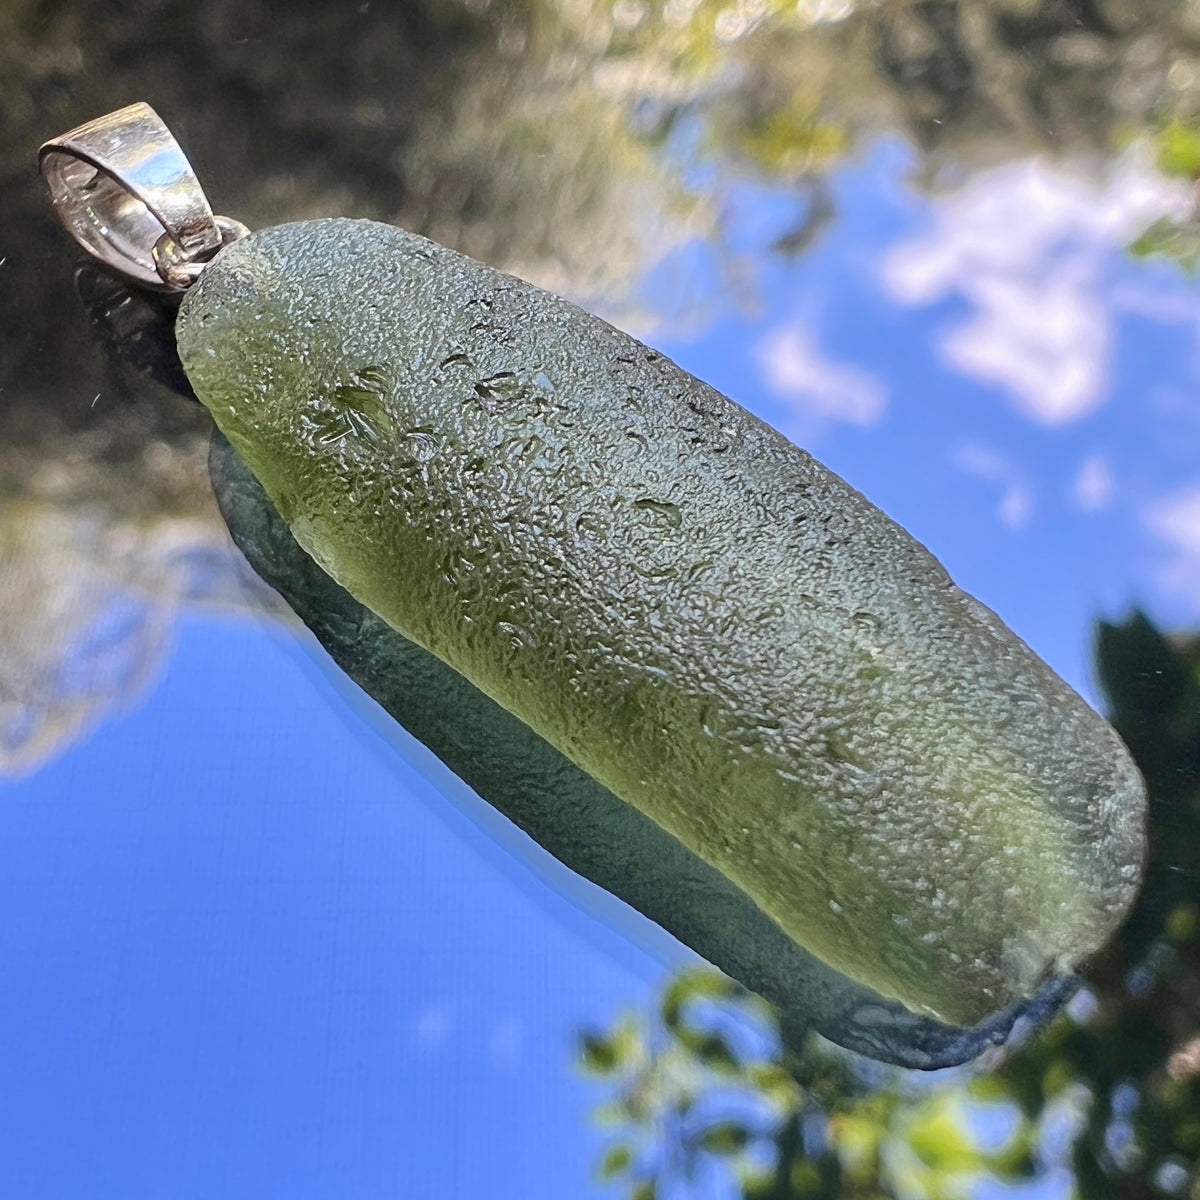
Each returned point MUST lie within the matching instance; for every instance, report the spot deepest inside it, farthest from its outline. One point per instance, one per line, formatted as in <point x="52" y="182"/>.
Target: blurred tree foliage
<point x="1105" y="1100"/>
<point x="530" y="132"/>
<point x="1177" y="153"/>
<point x="575" y="142"/>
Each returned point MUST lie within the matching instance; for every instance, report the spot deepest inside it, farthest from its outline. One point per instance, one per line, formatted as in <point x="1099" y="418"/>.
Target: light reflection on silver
<point x="125" y="190"/>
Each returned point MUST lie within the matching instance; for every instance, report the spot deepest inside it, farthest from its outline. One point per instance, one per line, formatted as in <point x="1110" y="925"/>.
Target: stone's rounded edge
<point x="824" y="1001"/>
<point x="252" y="265"/>
<point x="255" y="264"/>
<point x="247" y="262"/>
<point x="1121" y="815"/>
<point x="889" y="1033"/>
<point x="314" y="240"/>
<point x="1128" y="812"/>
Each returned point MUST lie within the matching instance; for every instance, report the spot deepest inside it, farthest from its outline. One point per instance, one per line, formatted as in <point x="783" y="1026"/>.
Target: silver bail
<point x="126" y="191"/>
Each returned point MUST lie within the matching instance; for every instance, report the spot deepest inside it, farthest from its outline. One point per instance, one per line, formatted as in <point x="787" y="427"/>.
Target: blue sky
<point x="258" y="944"/>
<point x="255" y="947"/>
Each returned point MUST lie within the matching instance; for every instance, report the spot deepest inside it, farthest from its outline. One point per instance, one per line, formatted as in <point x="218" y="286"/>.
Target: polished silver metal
<point x="126" y="191"/>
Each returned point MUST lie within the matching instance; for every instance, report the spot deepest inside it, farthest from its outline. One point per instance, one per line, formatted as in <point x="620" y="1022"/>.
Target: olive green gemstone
<point x="711" y="624"/>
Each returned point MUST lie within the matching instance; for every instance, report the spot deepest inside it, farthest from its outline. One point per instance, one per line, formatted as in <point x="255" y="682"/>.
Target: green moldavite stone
<point x="693" y="610"/>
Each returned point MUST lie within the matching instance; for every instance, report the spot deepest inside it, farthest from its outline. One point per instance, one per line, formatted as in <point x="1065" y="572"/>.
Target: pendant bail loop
<point x="125" y="190"/>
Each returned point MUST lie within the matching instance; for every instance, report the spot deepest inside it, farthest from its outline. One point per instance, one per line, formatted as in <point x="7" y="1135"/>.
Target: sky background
<point x="255" y="943"/>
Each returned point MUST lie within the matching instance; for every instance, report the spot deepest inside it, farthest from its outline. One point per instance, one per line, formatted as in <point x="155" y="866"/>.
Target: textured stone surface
<point x="684" y="604"/>
<point x="580" y="821"/>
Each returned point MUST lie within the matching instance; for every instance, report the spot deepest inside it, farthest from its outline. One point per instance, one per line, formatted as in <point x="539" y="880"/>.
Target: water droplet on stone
<point x="518" y="636"/>
<point x="667" y="512"/>
<point x="501" y="388"/>
<point x="423" y="443"/>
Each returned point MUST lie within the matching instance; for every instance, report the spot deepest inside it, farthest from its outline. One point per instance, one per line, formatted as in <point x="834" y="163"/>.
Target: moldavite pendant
<point x="686" y="610"/>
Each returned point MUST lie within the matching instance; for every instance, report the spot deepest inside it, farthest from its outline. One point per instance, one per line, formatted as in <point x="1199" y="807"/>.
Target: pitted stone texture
<point x="582" y="824"/>
<point x="693" y="610"/>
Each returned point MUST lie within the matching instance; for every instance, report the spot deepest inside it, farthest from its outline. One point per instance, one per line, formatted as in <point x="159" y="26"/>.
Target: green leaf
<point x="1178" y="148"/>
<point x="1182" y="923"/>
<point x="712" y="1050"/>
<point x="612" y="1113"/>
<point x="1056" y="1077"/>
<point x="941" y="1141"/>
<point x="1167" y="238"/>
<point x="626" y="1040"/>
<point x="804" y="1178"/>
<point x="597" y="1054"/>
<point x="703" y="983"/>
<point x="725" y="1138"/>
<point x="1186" y="1136"/>
<point x="774" y="1082"/>
<point x="616" y="1160"/>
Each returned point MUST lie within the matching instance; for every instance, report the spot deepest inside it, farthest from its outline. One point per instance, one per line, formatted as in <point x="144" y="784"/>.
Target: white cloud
<point x="1050" y="355"/>
<point x="1016" y="506"/>
<point x="1028" y="247"/>
<point x="816" y="388"/>
<point x="1094" y="485"/>
<point x="1175" y="521"/>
